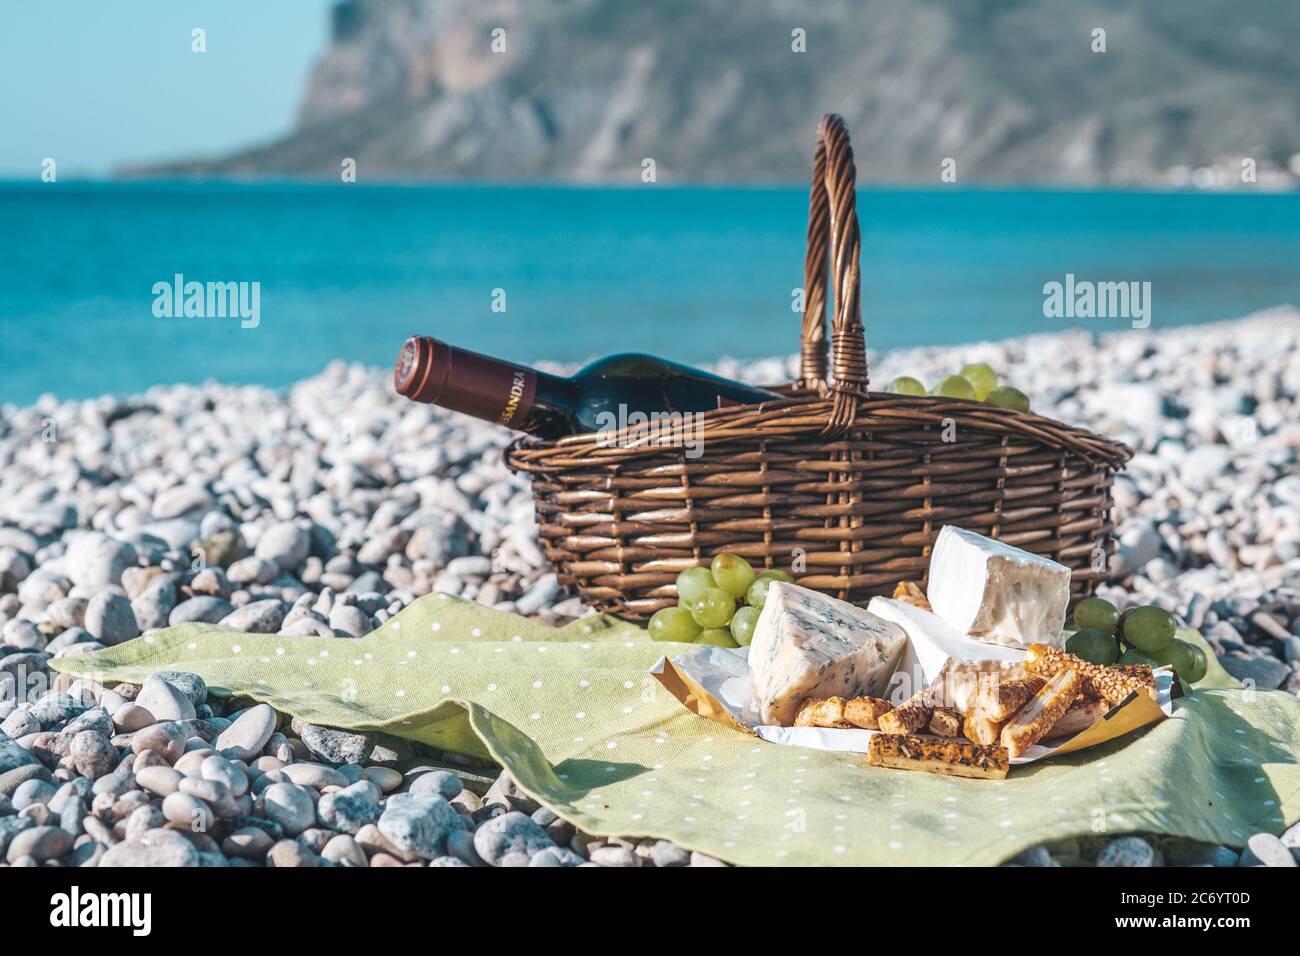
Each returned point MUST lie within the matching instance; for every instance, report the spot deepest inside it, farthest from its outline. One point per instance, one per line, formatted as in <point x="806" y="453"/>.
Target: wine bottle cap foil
<point x="422" y="369"/>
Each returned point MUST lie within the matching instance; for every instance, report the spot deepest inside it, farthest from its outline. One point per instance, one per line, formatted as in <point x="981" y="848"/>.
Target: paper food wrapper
<point x="715" y="682"/>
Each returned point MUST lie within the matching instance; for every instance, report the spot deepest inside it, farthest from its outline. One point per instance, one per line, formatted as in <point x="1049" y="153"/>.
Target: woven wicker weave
<point x="847" y="488"/>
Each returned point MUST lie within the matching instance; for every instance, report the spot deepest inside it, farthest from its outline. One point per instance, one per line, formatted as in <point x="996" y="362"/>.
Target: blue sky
<point x="95" y="84"/>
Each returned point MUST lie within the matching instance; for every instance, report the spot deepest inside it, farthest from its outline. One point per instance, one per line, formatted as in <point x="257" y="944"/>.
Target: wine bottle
<point x="603" y="395"/>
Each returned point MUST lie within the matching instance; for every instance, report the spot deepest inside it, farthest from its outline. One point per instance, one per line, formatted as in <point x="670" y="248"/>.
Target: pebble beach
<point x="326" y="508"/>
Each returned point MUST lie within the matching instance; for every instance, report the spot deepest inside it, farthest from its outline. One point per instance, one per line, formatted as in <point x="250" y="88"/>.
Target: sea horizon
<point x="566" y="272"/>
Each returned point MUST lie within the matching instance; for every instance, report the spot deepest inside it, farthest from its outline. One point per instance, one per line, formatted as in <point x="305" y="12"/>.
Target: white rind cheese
<point x="807" y="644"/>
<point x="933" y="647"/>
<point x="995" y="592"/>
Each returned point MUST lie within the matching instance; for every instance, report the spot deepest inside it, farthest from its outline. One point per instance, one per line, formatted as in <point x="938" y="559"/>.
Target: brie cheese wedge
<point x="994" y="592"/>
<point x="934" y="650"/>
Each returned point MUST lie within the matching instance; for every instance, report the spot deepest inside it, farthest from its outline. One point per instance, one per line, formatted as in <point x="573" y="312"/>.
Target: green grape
<point x="718" y="636"/>
<point x="673" y="624"/>
<point x="742" y="624"/>
<point x="757" y="593"/>
<point x="713" y="608"/>
<point x="733" y="574"/>
<point x="1094" y="646"/>
<point x="693" y="582"/>
<point x="1149" y="628"/>
<point x="1187" y="660"/>
<point x="954" y="386"/>
<point x="1096" y="613"/>
<point x="982" y="378"/>
<point x="1004" y="396"/>
<point x="906" y="385"/>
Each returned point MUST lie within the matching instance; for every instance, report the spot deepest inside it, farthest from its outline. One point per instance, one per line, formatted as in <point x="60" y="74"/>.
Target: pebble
<point x="165" y="739"/>
<point x="164" y="701"/>
<point x="245" y="738"/>
<point x="350" y="809"/>
<point x="511" y="832"/>
<point x="227" y="772"/>
<point x="418" y="823"/>
<point x="336" y="746"/>
<point x="290" y="806"/>
<point x="188" y="811"/>
<point x="385" y="778"/>
<point x="204" y="609"/>
<point x="666" y="854"/>
<point x="315" y="775"/>
<point x="1129" y="851"/>
<point x="1264" y="849"/>
<point x="41" y="843"/>
<point x="110" y="619"/>
<point x="258" y="617"/>
<point x="349" y="619"/>
<point x="152" y="607"/>
<point x="155" y="847"/>
<point x="249" y="843"/>
<point x="615" y="856"/>
<point x="343" y="850"/>
<point x="93" y="755"/>
<point x="444" y="783"/>
<point x="191" y="685"/>
<point x="181" y="500"/>
<point x="131" y="717"/>
<point x="1265" y="673"/>
<point x="96" y="559"/>
<point x="163" y="781"/>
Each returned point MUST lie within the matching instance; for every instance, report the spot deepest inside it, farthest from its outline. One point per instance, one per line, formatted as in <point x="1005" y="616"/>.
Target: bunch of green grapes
<point x="707" y="599"/>
<point x="975" y="383"/>
<point x="1141" y="635"/>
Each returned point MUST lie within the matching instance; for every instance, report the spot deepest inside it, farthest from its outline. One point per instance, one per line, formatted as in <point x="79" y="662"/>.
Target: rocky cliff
<point x="1012" y="90"/>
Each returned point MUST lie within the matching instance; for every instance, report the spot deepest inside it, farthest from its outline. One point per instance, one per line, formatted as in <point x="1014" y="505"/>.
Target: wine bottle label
<point x="523" y="384"/>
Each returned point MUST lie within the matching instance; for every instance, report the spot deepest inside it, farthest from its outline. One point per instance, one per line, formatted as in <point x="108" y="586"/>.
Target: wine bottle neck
<point x="494" y="390"/>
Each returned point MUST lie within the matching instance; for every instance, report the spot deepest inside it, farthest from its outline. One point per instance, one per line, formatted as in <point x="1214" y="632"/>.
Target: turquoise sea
<point x="348" y="271"/>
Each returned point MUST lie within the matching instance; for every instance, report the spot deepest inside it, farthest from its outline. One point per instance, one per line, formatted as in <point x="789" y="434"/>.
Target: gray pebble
<point x="1264" y="849"/>
<point x="155" y="847"/>
<point x="510" y="832"/>
<point x="1129" y="851"/>
<point x="110" y="619"/>
<point x="418" y="823"/>
<point x="290" y="806"/>
<point x="164" y="701"/>
<point x="203" y="609"/>
<point x="444" y="783"/>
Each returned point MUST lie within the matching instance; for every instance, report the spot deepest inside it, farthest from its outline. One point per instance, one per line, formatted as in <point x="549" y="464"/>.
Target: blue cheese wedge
<point x="809" y="645"/>
<point x="994" y="592"/>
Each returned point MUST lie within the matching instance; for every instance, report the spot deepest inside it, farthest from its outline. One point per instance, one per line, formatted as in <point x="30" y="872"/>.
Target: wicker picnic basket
<point x="845" y="487"/>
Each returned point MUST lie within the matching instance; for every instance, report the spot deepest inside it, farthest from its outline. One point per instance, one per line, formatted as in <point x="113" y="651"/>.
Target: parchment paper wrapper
<point x="714" y="682"/>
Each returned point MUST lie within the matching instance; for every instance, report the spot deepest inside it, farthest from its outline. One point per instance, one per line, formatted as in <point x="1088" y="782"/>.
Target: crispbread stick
<point x="1033" y="721"/>
<point x="945" y="721"/>
<point x="959" y="759"/>
<point x="1083" y="713"/>
<point x="816" y="712"/>
<point x="866" y="712"/>
<point x="910" y="717"/>
<point x="1095" y="680"/>
<point x="981" y="729"/>
<point x="909" y="592"/>
<point x="998" y="701"/>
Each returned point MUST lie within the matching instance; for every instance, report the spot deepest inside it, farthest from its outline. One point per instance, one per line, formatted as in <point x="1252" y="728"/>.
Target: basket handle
<point x="833" y="234"/>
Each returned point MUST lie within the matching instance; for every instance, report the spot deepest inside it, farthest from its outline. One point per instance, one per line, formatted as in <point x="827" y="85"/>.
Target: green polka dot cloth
<point x="584" y="729"/>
